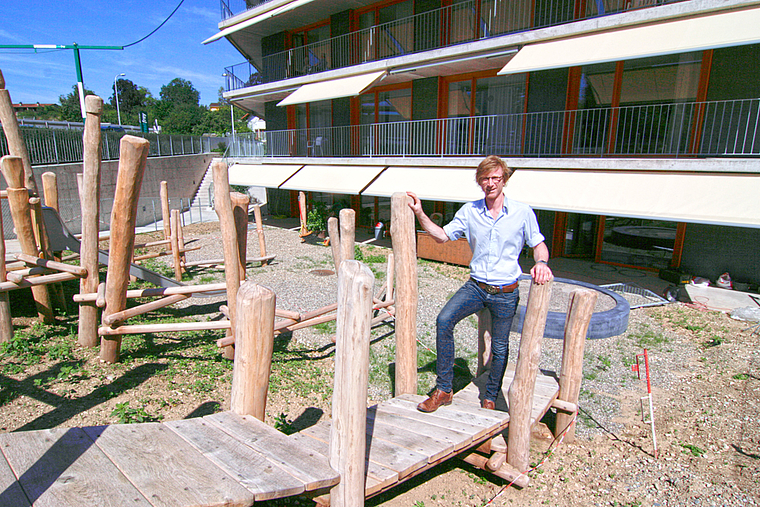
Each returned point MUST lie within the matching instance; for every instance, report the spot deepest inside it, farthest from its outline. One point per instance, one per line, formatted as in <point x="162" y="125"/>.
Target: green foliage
<point x="70" y="108"/>
<point x="693" y="449"/>
<point x="127" y="415"/>
<point x="180" y="92"/>
<point x="283" y="424"/>
<point x="316" y="218"/>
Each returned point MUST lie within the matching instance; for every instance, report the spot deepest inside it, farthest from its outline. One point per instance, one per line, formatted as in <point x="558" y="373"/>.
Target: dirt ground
<point x="706" y="395"/>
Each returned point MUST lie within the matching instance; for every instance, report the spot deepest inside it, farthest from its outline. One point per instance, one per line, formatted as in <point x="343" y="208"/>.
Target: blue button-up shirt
<point x="495" y="243"/>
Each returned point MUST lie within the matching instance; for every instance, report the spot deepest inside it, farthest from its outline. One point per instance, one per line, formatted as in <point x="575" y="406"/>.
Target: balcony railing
<point x="59" y="146"/>
<point x="429" y="30"/>
<point x="715" y="129"/>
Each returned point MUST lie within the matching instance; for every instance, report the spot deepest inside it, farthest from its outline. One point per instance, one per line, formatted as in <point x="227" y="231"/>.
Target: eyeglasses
<point x="493" y="179"/>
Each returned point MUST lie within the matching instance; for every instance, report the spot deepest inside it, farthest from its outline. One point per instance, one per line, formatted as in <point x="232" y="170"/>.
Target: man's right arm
<point x="437" y="232"/>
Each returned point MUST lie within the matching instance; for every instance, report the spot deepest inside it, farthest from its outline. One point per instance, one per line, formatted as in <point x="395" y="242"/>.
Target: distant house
<point x="29" y="107"/>
<point x="633" y="126"/>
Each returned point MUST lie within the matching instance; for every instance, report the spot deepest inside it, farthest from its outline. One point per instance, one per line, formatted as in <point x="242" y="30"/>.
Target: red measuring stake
<point x="648" y="398"/>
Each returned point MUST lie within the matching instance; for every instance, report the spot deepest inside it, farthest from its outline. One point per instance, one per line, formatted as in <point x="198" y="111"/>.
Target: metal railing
<point x="438" y="28"/>
<point x="716" y="128"/>
<point x="58" y="146"/>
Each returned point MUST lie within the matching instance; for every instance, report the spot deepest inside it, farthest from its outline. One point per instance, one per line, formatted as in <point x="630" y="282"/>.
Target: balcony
<point x="232" y="7"/>
<point x="688" y="129"/>
<point x="455" y="24"/>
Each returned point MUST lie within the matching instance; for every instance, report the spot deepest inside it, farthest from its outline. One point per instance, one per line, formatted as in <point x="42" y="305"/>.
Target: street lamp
<point x="232" y="111"/>
<point x="116" y="92"/>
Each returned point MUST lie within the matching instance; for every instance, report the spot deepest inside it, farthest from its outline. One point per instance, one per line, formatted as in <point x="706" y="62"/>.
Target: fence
<point x="717" y="128"/>
<point x="59" y="146"/>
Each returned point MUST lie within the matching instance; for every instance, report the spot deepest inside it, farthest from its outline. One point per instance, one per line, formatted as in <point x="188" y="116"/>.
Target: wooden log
<point x="506" y="472"/>
<point x="20" y="274"/>
<point x="132" y="159"/>
<point x="164" y="328"/>
<point x="319" y="311"/>
<point x="100" y="298"/>
<point x="404" y="251"/>
<point x="565" y="406"/>
<point x="260" y="234"/>
<point x="114" y="318"/>
<point x="90" y="203"/>
<point x="220" y="262"/>
<point x="484" y="341"/>
<point x="279" y="312"/>
<point x="496" y="461"/>
<point x="349" y="401"/>
<point x="181" y="242"/>
<point x="579" y="314"/>
<point x="163" y="193"/>
<point x="16" y="145"/>
<point x="6" y="319"/>
<point x="157" y="292"/>
<point x="389" y="275"/>
<point x="333" y="232"/>
<point x="60" y="266"/>
<point x="174" y="217"/>
<point x="50" y="189"/>
<point x="302" y="214"/>
<point x="18" y="200"/>
<point x="37" y="282"/>
<point x="520" y="394"/>
<point x="240" y="204"/>
<point x="254" y="339"/>
<point x="153" y="255"/>
<point x="347" y="233"/>
<point x="223" y="206"/>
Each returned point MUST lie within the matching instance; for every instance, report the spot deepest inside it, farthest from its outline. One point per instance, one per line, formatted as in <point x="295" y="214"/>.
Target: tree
<point x="131" y="97"/>
<point x="70" y="109"/>
<point x="180" y="92"/>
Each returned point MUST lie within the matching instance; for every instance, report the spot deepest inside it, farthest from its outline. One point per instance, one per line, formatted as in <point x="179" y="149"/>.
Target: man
<point x="496" y="229"/>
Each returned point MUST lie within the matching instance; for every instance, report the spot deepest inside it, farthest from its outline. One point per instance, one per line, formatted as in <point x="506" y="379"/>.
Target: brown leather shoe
<point x="437" y="399"/>
<point x="488" y="404"/>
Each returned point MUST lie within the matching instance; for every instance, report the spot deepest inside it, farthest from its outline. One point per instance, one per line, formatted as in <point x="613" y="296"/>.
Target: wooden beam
<point x="404" y="252"/>
<point x="44" y="263"/>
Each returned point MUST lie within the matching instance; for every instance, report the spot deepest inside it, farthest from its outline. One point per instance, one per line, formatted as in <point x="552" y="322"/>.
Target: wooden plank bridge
<point x="233" y="460"/>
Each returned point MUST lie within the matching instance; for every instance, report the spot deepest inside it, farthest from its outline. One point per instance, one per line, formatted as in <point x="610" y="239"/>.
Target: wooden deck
<point x="231" y="460"/>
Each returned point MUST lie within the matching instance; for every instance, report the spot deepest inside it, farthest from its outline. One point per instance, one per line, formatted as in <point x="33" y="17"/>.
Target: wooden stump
<point x="16" y="145"/>
<point x="349" y="403"/>
<point x="520" y="393"/>
<point x="163" y="194"/>
<point x="132" y="159"/>
<point x="347" y="233"/>
<point x="240" y="204"/>
<point x="405" y="255"/>
<point x="333" y="231"/>
<point x="6" y="321"/>
<point x="260" y="234"/>
<point x="254" y="343"/>
<point x="176" y="257"/>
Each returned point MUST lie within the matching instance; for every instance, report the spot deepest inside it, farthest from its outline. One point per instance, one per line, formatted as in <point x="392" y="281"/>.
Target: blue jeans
<point x="469" y="299"/>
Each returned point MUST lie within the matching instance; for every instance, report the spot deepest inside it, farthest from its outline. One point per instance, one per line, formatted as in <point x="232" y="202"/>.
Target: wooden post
<point x="132" y="158"/>
<point x="240" y="204"/>
<point x="174" y="214"/>
<point x="223" y="207"/>
<point x="254" y="343"/>
<point x="18" y="200"/>
<point x="579" y="313"/>
<point x="333" y="231"/>
<point x="88" y="184"/>
<point x="389" y="274"/>
<point x="16" y="145"/>
<point x="50" y="189"/>
<point x="347" y="233"/>
<point x="404" y="251"/>
<point x="165" y="213"/>
<point x="484" y="341"/>
<point x="520" y="393"/>
<point x="349" y="403"/>
<point x="260" y="233"/>
<point x="6" y="321"/>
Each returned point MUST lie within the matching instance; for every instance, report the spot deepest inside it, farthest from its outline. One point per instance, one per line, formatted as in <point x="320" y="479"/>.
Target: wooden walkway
<point x="231" y="460"/>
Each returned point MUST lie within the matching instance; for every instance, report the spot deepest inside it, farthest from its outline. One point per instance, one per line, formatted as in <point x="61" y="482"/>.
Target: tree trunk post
<point x="520" y="393"/>
<point x="579" y="313"/>
<point x="16" y="145"/>
<point x="6" y="320"/>
<point x="348" y="431"/>
<point x="333" y="231"/>
<point x="50" y="189"/>
<point x="347" y="218"/>
<point x="174" y="236"/>
<point x="223" y="207"/>
<point x="260" y="233"/>
<point x="240" y="204"/>
<point x="163" y="194"/>
<point x="132" y="158"/>
<point x="254" y="343"/>
<point x="18" y="200"/>
<point x="89" y="194"/>
<point x="389" y="276"/>
<point x="404" y="252"/>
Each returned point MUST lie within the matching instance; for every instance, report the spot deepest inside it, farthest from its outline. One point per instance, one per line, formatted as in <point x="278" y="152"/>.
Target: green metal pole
<point x="80" y="80"/>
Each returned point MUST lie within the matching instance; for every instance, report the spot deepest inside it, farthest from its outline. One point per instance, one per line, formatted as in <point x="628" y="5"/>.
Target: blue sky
<point x="173" y="51"/>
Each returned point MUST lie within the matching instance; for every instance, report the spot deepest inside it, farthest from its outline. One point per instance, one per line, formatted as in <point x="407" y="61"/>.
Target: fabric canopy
<point x="733" y="28"/>
<point x="256" y="19"/>
<point x="429" y="183"/>
<point x="332" y="89"/>
<point x="261" y="175"/>
<point x="333" y="179"/>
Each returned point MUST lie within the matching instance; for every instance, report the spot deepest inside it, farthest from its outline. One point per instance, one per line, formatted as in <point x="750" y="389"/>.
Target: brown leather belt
<point x="495" y="289"/>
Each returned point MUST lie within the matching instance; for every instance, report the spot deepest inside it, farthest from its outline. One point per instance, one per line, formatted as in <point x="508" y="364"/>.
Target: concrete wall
<point x="183" y="173"/>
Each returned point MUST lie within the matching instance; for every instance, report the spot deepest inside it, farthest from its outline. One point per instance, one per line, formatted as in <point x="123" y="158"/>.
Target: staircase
<point x="204" y="195"/>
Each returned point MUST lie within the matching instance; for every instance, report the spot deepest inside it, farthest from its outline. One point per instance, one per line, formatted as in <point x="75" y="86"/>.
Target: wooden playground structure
<point x="233" y="458"/>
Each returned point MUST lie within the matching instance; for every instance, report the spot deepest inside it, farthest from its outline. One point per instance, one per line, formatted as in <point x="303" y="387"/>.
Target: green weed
<point x="127" y="415"/>
<point x="693" y="449"/>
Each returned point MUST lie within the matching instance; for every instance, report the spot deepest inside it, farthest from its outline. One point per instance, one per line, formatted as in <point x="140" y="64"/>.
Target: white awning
<point x="256" y="19"/>
<point x="261" y="175"/>
<point x="733" y="28"/>
<point x="333" y="179"/>
<point x="721" y="199"/>
<point x="332" y="89"/>
<point x="429" y="183"/>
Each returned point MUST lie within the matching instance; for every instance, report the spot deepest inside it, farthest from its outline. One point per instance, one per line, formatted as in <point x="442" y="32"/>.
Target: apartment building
<point x="633" y="125"/>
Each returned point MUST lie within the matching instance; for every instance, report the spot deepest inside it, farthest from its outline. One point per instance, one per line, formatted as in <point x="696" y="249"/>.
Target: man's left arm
<point x="541" y="272"/>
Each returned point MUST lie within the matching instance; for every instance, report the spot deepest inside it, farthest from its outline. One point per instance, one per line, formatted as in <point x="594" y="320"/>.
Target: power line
<point x="158" y="27"/>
